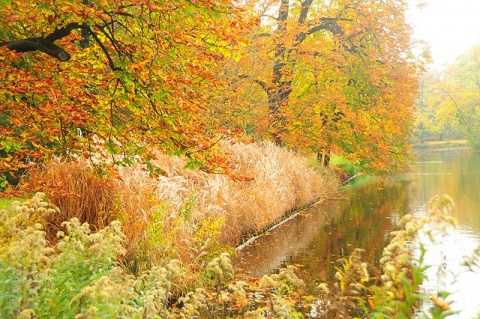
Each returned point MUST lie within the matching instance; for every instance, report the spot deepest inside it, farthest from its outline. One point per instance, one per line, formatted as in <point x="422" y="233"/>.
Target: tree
<point x="431" y="123"/>
<point x="461" y="94"/>
<point x="334" y="76"/>
<point x="454" y="98"/>
<point x="110" y="79"/>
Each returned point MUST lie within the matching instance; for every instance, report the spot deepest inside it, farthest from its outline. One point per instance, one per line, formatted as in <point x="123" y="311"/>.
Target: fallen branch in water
<point x="352" y="177"/>
<point x="294" y="214"/>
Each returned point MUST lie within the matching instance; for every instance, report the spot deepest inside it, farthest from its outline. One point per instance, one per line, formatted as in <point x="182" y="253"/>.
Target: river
<point x="368" y="211"/>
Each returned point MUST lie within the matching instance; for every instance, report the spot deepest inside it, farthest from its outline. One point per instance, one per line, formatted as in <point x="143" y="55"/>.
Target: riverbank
<point x="187" y="214"/>
<point x="83" y="272"/>
<point x="318" y="238"/>
<point x="80" y="276"/>
<point x="171" y="228"/>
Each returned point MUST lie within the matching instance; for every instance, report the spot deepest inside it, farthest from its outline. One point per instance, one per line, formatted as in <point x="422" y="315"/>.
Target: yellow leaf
<point x="440" y="303"/>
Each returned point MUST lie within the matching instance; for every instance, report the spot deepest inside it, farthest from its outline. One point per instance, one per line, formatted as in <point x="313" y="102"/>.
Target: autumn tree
<point x="425" y="120"/>
<point x="432" y="122"/>
<point x="333" y="76"/>
<point x="110" y="80"/>
<point x="454" y="98"/>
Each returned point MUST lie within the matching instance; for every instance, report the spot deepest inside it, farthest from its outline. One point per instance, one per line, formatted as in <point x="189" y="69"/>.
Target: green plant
<point x="342" y="163"/>
<point x="79" y="276"/>
<point x="46" y="280"/>
<point x="7" y="202"/>
<point x="353" y="274"/>
<point x="3" y="182"/>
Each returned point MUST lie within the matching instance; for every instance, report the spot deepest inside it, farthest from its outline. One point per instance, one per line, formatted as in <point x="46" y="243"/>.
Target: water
<point x="365" y="215"/>
<point x="456" y="173"/>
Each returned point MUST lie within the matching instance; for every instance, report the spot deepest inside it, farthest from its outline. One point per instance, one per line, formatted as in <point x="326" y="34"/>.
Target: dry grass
<point x="78" y="191"/>
<point x="179" y="215"/>
<point x="282" y="181"/>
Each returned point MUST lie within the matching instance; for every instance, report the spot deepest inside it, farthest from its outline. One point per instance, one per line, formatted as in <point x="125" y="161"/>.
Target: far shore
<point x="445" y="143"/>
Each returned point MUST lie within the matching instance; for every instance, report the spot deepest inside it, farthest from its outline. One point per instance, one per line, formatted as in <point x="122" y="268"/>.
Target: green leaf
<point x="193" y="164"/>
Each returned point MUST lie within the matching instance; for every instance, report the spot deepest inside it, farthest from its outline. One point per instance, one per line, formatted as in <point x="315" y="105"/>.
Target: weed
<point x="186" y="214"/>
<point x="80" y="276"/>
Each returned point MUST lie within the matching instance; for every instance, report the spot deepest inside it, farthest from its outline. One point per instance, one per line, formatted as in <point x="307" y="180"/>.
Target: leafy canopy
<point x="113" y="80"/>
<point x="329" y="76"/>
<point x="450" y="105"/>
<point x="136" y="74"/>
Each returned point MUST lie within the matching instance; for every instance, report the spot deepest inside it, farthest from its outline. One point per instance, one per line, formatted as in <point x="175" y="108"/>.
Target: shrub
<point x="397" y="294"/>
<point x="80" y="277"/>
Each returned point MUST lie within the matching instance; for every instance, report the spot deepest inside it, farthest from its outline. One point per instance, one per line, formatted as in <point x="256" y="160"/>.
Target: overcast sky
<point x="449" y="26"/>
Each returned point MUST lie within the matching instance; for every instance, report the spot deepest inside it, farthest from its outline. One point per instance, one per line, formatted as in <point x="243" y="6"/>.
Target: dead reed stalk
<point x="187" y="214"/>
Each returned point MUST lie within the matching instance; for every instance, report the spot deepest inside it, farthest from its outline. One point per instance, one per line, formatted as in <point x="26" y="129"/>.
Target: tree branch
<point x="38" y="44"/>
<point x="259" y="35"/>
<point x="45" y="44"/>
<point x="283" y="11"/>
<point x="63" y="32"/>
<point x="111" y="64"/>
<point x="329" y="24"/>
<point x="304" y="12"/>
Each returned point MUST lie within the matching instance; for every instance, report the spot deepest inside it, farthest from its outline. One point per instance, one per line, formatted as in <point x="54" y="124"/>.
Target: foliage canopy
<point x="450" y="101"/>
<point x="138" y="74"/>
<point x="113" y="80"/>
<point x="329" y="76"/>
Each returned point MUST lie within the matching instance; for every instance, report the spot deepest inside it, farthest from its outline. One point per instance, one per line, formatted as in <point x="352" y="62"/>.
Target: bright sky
<point x="449" y="26"/>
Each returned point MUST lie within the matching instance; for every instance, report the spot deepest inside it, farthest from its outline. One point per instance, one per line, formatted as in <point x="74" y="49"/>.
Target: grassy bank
<point x="187" y="215"/>
<point x="79" y="276"/>
<point x="6" y="202"/>
<point x="143" y="247"/>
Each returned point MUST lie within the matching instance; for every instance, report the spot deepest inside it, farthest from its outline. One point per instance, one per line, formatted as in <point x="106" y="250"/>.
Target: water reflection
<point x="368" y="212"/>
<point x="452" y="172"/>
<point x="456" y="173"/>
<point x="318" y="238"/>
<point x="446" y="272"/>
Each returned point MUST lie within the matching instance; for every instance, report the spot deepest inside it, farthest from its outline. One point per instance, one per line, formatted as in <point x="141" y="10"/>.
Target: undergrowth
<point x="395" y="292"/>
<point x="80" y="276"/>
<point x="187" y="214"/>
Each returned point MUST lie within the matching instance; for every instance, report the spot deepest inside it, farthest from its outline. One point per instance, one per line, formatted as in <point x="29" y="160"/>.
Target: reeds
<point x="78" y="191"/>
<point x="188" y="214"/>
<point x="79" y="276"/>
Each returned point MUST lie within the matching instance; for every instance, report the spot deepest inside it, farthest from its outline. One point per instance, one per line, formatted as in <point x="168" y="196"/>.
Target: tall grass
<point x="78" y="191"/>
<point x="282" y="182"/>
<point x="188" y="214"/>
<point x="80" y="276"/>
